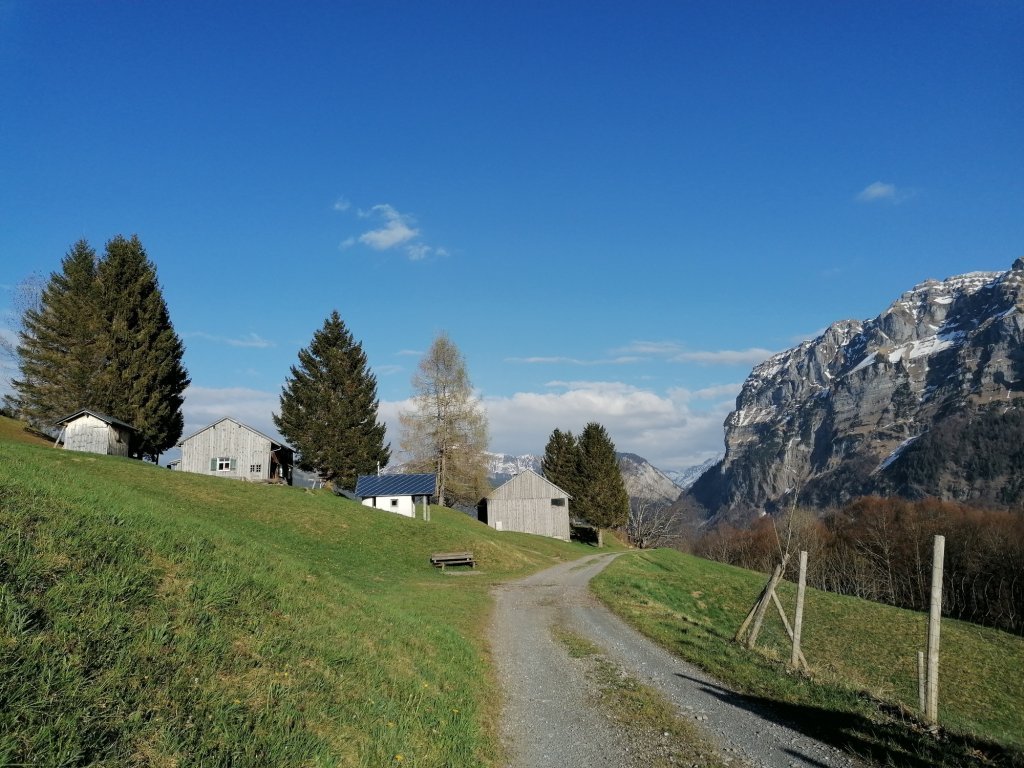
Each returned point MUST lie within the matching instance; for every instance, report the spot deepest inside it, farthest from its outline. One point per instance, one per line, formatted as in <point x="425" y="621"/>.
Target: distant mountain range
<point x="925" y="399"/>
<point x="642" y="479"/>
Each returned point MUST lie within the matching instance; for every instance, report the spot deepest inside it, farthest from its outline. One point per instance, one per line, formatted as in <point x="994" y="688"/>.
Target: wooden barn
<point x="93" y="432"/>
<point x="528" y="503"/>
<point x="396" y="493"/>
<point x="228" y="448"/>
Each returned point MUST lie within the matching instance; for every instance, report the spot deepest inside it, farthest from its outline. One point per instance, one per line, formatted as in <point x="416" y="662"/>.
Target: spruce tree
<point x="60" y="349"/>
<point x="329" y="408"/>
<point x="561" y="464"/>
<point x="605" y="503"/>
<point x="144" y="380"/>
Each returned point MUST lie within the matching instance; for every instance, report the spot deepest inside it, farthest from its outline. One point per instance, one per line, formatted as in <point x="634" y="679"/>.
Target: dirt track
<point x="549" y="717"/>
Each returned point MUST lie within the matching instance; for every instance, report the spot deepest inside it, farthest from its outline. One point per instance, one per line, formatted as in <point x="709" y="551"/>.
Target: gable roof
<point x="395" y="485"/>
<point x="527" y="476"/>
<point x="105" y="419"/>
<point x="238" y="423"/>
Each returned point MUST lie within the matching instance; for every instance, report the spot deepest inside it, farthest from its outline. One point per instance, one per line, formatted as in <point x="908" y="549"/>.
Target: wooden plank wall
<point x="231" y="440"/>
<point x="92" y="435"/>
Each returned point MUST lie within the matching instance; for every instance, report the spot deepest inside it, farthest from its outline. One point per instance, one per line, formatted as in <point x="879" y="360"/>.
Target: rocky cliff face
<point x="833" y="417"/>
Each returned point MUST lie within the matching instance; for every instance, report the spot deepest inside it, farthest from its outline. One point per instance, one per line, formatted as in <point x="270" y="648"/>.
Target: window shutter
<point x="232" y="465"/>
<point x="213" y="465"/>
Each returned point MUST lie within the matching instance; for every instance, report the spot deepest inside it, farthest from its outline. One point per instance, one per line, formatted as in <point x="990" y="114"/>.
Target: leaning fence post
<point x="798" y="618"/>
<point x="931" y="713"/>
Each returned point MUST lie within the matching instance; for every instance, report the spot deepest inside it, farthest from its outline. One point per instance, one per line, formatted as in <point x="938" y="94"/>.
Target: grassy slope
<point x="156" y="618"/>
<point x="855" y="647"/>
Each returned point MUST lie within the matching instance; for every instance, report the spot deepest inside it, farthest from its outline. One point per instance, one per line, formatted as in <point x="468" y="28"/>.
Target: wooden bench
<point x="443" y="559"/>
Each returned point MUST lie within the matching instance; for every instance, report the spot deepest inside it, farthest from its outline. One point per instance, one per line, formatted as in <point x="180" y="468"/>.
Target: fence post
<point x="931" y="712"/>
<point x="798" y="618"/>
<point x="920" y="682"/>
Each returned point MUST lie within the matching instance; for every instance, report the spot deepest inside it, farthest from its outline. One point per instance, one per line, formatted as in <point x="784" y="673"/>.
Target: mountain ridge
<point x="839" y="415"/>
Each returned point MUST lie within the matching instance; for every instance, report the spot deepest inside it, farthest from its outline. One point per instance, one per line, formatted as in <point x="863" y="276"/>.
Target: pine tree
<point x="329" y="408"/>
<point x="604" y="502"/>
<point x="446" y="430"/>
<point x="60" y="351"/>
<point x="143" y="380"/>
<point x="561" y="464"/>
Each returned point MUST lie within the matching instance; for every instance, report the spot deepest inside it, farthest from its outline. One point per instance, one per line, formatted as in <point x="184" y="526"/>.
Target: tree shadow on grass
<point x="891" y="739"/>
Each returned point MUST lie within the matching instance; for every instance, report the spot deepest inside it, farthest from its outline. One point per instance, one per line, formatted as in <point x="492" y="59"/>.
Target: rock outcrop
<point x="836" y="416"/>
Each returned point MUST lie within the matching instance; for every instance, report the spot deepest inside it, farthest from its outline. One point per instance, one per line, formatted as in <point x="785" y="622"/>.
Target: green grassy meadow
<point x="862" y="695"/>
<point x="156" y="618"/>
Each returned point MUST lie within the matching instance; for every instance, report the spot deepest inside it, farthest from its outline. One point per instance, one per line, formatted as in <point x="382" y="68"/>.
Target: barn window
<point x="558" y="502"/>
<point x="222" y="464"/>
<point x="394" y="502"/>
<point x="255" y="469"/>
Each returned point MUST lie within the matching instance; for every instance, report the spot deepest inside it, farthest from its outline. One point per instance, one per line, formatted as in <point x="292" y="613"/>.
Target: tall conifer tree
<point x="60" y="350"/>
<point x="144" y="380"/>
<point x="329" y="408"/>
<point x="102" y="338"/>
<point x="604" y="501"/>
<point x="561" y="463"/>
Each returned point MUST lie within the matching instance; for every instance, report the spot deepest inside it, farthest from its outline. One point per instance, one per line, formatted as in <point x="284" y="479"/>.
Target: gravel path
<point x="548" y="717"/>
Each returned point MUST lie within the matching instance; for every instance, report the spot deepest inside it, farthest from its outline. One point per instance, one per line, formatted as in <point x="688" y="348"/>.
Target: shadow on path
<point x="895" y="740"/>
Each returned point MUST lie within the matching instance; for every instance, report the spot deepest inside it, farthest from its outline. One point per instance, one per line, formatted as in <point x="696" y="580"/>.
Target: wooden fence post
<point x="769" y="592"/>
<point x="920" y="682"/>
<point x="798" y="618"/>
<point x="931" y="712"/>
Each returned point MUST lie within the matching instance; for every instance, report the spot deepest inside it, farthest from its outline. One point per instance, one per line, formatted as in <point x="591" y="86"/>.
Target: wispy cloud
<point x="394" y="230"/>
<point x="559" y="360"/>
<point x="388" y="370"/>
<point x="205" y="405"/>
<point x="251" y="340"/>
<point x="674" y="430"/>
<point x="409" y="352"/>
<point x="883" y="192"/>
<point x="397" y="229"/>
<point x="677" y="353"/>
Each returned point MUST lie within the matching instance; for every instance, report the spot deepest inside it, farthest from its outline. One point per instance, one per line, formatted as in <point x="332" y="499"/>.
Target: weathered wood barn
<point x="93" y="432"/>
<point x="396" y="493"/>
<point x="528" y="503"/>
<point x="228" y="448"/>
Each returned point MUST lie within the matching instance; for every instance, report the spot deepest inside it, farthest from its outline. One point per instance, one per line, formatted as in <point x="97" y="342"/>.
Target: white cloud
<point x="250" y="340"/>
<point x="557" y="360"/>
<point x="388" y="370"/>
<point x="751" y="356"/>
<point x="418" y="251"/>
<point x="667" y="429"/>
<point x="205" y="405"/>
<point x="397" y="229"/>
<point x="677" y="353"/>
<point x="881" y="191"/>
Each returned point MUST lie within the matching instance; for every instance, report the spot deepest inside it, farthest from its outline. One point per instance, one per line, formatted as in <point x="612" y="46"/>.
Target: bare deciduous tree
<point x="446" y="429"/>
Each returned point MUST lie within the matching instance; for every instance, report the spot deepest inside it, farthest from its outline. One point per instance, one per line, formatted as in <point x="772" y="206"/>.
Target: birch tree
<point x="445" y="430"/>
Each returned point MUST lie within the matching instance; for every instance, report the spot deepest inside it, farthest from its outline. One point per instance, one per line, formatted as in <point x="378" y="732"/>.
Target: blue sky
<point x="615" y="210"/>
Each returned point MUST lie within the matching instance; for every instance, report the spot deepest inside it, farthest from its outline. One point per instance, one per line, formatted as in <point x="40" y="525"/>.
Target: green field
<point x="149" y="617"/>
<point x="863" y="658"/>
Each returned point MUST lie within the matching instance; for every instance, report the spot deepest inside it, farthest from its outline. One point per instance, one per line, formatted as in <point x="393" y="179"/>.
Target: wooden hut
<point x="94" y="432"/>
<point x="229" y="448"/>
<point x="528" y="503"/>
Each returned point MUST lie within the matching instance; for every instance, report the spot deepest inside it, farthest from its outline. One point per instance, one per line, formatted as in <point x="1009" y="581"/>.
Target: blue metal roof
<point x="395" y="485"/>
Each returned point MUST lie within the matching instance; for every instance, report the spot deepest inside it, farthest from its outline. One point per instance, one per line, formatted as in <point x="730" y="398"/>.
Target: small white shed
<point x="396" y="493"/>
<point x="94" y="432"/>
<point x="229" y="448"/>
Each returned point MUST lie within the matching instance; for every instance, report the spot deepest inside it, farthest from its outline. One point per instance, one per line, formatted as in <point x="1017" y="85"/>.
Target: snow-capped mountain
<point x="502" y="467"/>
<point x="848" y="412"/>
<point x="685" y="478"/>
